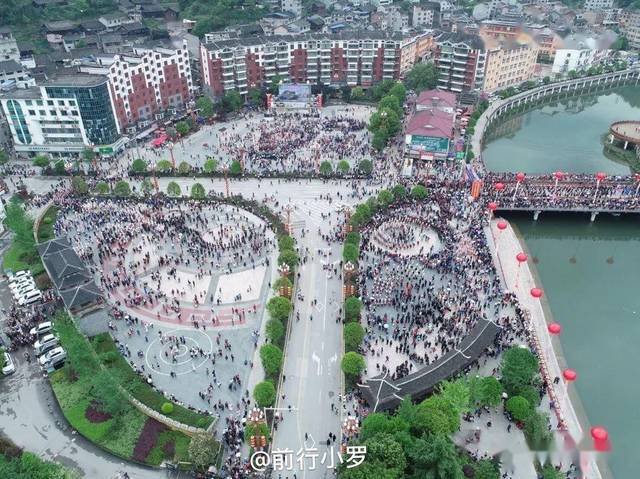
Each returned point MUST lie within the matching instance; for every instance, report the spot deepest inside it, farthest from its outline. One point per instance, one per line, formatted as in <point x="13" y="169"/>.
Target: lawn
<point x="45" y="231"/>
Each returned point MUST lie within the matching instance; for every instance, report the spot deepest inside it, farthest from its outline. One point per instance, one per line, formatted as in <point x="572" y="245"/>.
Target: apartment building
<point x="147" y="82"/>
<point x="598" y="4"/>
<point x="293" y="6"/>
<point x="351" y="58"/>
<point x="461" y="60"/>
<point x="62" y="116"/>
<point x="580" y="52"/>
<point x="415" y="49"/>
<point x="629" y="21"/>
<point x="548" y="41"/>
<point x="424" y="14"/>
<point x="8" y="46"/>
<point x="500" y="29"/>
<point x="14" y="75"/>
<point x="509" y="62"/>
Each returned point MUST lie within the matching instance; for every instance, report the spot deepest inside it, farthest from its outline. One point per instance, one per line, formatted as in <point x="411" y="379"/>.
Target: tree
<point x="343" y="167"/>
<point x="353" y="336"/>
<point x="282" y="282"/>
<point x="423" y="76"/>
<point x="122" y="189"/>
<point x="205" y="105"/>
<point x="3" y="361"/>
<point x="59" y="167"/>
<point x="41" y="161"/>
<point x="621" y="43"/>
<point x="519" y="366"/>
<point x="381" y="89"/>
<point x="231" y="101"/>
<point x="392" y="103"/>
<point x="203" y="450"/>
<point x="88" y="155"/>
<point x="486" y="391"/>
<point x="279" y="308"/>
<point x="164" y="166"/>
<point x="435" y="457"/>
<point x="102" y="188"/>
<point x="275" y="330"/>
<point x="536" y="430"/>
<point x="546" y="80"/>
<point x="271" y="357"/>
<point x="399" y="91"/>
<point x="290" y="258"/>
<point x="4" y="157"/>
<point x="236" y="168"/>
<point x="184" y="168"/>
<point x="256" y="96"/>
<point x="146" y="187"/>
<point x="519" y="408"/>
<point x="350" y="253"/>
<point x="139" y="165"/>
<point x="385" y="198"/>
<point x="385" y="121"/>
<point x="275" y="84"/>
<point x="458" y="393"/>
<point x="365" y="167"/>
<point x="198" y="192"/>
<point x="357" y="94"/>
<point x="572" y="74"/>
<point x="418" y="192"/>
<point x="105" y="390"/>
<point x="173" y="189"/>
<point x="264" y="394"/>
<point x="399" y="191"/>
<point x="353" y="238"/>
<point x="550" y="472"/>
<point x="79" y="185"/>
<point x="352" y="364"/>
<point x="325" y="168"/>
<point x="352" y="308"/>
<point x="286" y="242"/>
<point x="437" y="415"/>
<point x="182" y="127"/>
<point x="210" y="165"/>
<point x="487" y="469"/>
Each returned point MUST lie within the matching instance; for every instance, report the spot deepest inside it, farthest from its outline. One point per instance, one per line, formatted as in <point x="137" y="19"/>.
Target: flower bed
<point x="94" y="415"/>
<point x="147" y="439"/>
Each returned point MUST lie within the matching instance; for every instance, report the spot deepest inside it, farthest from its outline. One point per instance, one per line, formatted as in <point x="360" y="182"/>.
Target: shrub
<point x="198" y="192"/>
<point x="164" y="166"/>
<point x="210" y="165"/>
<point x="519" y="408"/>
<point x="139" y="165"/>
<point x="122" y="189"/>
<point x="167" y="408"/>
<point x="352" y="364"/>
<point x="343" y="166"/>
<point x="236" y="168"/>
<point x="173" y="189"/>
<point x="352" y="308"/>
<point x="275" y="330"/>
<point x="325" y="168"/>
<point x="353" y="336"/>
<point x="350" y="253"/>
<point x="264" y="394"/>
<point x="102" y="188"/>
<point x="184" y="168"/>
<point x="271" y="357"/>
<point x="418" y="192"/>
<point x="365" y="167"/>
<point x="41" y="161"/>
<point x="279" y="308"/>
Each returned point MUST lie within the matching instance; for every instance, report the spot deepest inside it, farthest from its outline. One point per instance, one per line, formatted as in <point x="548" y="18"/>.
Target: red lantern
<point x="536" y="293"/>
<point x="637" y="176"/>
<point x="554" y="328"/>
<point x="600" y="176"/>
<point x="558" y="175"/>
<point x="502" y="225"/>
<point x="520" y="177"/>
<point x="521" y="257"/>
<point x="499" y="186"/>
<point x="600" y="438"/>
<point x="493" y="206"/>
<point x="570" y="375"/>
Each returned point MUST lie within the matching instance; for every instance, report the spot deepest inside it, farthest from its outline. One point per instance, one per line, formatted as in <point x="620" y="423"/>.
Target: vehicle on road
<point x="55" y="356"/>
<point x="45" y="343"/>
<point x="30" y="297"/>
<point x="9" y="366"/>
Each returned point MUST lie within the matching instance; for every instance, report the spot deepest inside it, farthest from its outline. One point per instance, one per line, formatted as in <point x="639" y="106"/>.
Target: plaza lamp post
<point x="349" y="268"/>
<point x="226" y="180"/>
<point x="155" y="177"/>
<point x="289" y="209"/>
<point x="499" y="188"/>
<point x="350" y="427"/>
<point x="347" y="210"/>
<point x="599" y="177"/>
<point x="521" y="258"/>
<point x="558" y="175"/>
<point x="519" y="179"/>
<point x="256" y="418"/>
<point x="173" y="160"/>
<point x="284" y="270"/>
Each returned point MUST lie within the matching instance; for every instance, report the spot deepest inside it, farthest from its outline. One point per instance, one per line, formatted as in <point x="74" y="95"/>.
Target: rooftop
<point x="10" y="66"/>
<point x="76" y="80"/>
<point x="437" y="98"/>
<point x="431" y="122"/>
<point x="32" y="93"/>
<point x="473" y="41"/>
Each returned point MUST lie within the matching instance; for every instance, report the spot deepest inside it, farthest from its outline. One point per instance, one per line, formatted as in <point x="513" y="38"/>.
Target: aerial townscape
<point x="313" y="239"/>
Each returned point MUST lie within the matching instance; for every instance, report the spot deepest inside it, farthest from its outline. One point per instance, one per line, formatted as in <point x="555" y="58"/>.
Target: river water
<point x="590" y="271"/>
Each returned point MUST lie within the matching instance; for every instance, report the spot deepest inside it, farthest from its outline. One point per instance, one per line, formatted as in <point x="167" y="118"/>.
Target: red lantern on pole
<point x="499" y="186"/>
<point x="554" y="328"/>
<point x="521" y="257"/>
<point x="569" y="375"/>
<point x="520" y="177"/>
<point x="537" y="293"/>
<point x="492" y="206"/>
<point x="600" y="438"/>
<point x="600" y="176"/>
<point x="558" y="175"/>
<point x="502" y="225"/>
<point x="637" y="177"/>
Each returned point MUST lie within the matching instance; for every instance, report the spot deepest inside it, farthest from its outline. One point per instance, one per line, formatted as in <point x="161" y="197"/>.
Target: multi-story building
<point x="598" y="4"/>
<point x="460" y="60"/>
<point x="500" y="29"/>
<point x="63" y="116"/>
<point x="8" y="46"/>
<point x="415" y="49"/>
<point x="353" y="58"/>
<point x="293" y="6"/>
<point x="424" y="14"/>
<point x="14" y="75"/>
<point x="147" y="82"/>
<point x="547" y="40"/>
<point x="629" y="21"/>
<point x="509" y="62"/>
<point x="580" y="53"/>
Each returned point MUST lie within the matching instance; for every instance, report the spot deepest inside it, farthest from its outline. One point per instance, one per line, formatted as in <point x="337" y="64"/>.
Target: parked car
<point x="9" y="366"/>
<point x="55" y="356"/>
<point x="45" y="343"/>
<point x="23" y="289"/>
<point x="19" y="274"/>
<point x="30" y="297"/>
<point x="42" y="328"/>
<point x="21" y="284"/>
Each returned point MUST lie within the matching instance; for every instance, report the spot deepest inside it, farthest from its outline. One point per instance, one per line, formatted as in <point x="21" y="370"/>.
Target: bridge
<point x="562" y="192"/>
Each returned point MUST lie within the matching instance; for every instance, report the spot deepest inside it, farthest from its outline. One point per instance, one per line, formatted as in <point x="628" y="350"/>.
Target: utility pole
<point x="226" y="181"/>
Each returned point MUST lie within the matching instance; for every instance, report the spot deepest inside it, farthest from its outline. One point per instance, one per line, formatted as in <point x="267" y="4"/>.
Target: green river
<point x="590" y="271"/>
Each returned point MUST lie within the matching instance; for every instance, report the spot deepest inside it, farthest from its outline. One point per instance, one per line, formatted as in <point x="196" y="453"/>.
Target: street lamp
<point x="284" y="270"/>
<point x="350" y="426"/>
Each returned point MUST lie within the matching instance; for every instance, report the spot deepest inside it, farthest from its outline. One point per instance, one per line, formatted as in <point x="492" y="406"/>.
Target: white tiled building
<point x="598" y="4"/>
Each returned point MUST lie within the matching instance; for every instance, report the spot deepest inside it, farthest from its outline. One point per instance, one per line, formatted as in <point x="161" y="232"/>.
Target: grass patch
<point x="45" y="231"/>
<point x="17" y="258"/>
<point x="170" y="446"/>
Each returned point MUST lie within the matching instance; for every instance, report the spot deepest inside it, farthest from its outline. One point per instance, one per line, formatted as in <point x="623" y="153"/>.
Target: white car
<point x="42" y="328"/>
<point x="24" y="289"/>
<point x="21" y="284"/>
<point x="9" y="366"/>
<point x="30" y="297"/>
<point x="19" y="274"/>
<point x="45" y="343"/>
<point x="52" y="357"/>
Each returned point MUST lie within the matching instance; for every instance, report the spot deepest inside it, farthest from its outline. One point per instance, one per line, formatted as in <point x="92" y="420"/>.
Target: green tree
<point x="350" y="253"/>
<point x="3" y="361"/>
<point x="203" y="450"/>
<point x="352" y="364"/>
<point x="264" y="394"/>
<point x="487" y="469"/>
<point x="173" y="189"/>
<point x="102" y="188"/>
<point x="146" y="187"/>
<point x="256" y="96"/>
<point x="271" y="357"/>
<point x="122" y="189"/>
<point x="198" y="192"/>
<point x="390" y="102"/>
<point x="139" y="165"/>
<point x="381" y="89"/>
<point x="205" y="105"/>
<point x="184" y="168"/>
<point x="418" y="192"/>
<point x="210" y="165"/>
<point x="437" y="415"/>
<point x="343" y="167"/>
<point x="275" y="84"/>
<point x="399" y="192"/>
<point x="458" y="393"/>
<point x="550" y="472"/>
<point x="423" y="76"/>
<point x="352" y="308"/>
<point x="290" y="258"/>
<point x="572" y="74"/>
<point x="325" y="168"/>
<point x="282" y="282"/>
<point x="399" y="91"/>
<point x="105" y="390"/>
<point x="4" y="157"/>
<point x="486" y="391"/>
<point x="182" y="127"/>
<point x="353" y="238"/>
<point x="231" y="101"/>
<point x="41" y="161"/>
<point x="519" y="366"/>
<point x="353" y="336"/>
<point x="236" y="168"/>
<point x="385" y="198"/>
<point x="88" y="155"/>
<point x="546" y="80"/>
<point x="621" y="43"/>
<point x="59" y="167"/>
<point x="279" y="308"/>
<point x="357" y="94"/>
<point x="385" y="121"/>
<point x="537" y="432"/>
<point x="275" y="330"/>
<point x="435" y="457"/>
<point x="164" y="166"/>
<point x="365" y="167"/>
<point x="519" y="408"/>
<point x="79" y="185"/>
<point x="286" y="242"/>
